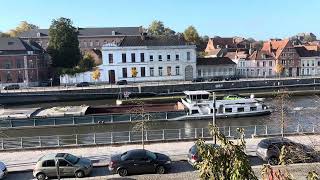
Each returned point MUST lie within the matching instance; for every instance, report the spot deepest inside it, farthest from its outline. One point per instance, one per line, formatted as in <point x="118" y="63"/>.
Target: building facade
<point x="285" y="54"/>
<point x="310" y="61"/>
<point x="144" y="58"/>
<point x="208" y="68"/>
<point x="22" y="63"/>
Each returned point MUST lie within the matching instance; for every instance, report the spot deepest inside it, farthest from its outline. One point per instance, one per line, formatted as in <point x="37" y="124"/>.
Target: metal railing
<point x="83" y="120"/>
<point x="109" y="138"/>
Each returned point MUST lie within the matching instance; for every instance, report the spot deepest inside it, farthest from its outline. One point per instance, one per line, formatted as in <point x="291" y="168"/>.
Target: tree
<point x="309" y="38"/>
<point x="227" y="162"/>
<point x="157" y="28"/>
<point x="22" y="27"/>
<point x="63" y="44"/>
<point x="279" y="69"/>
<point x="141" y="120"/>
<point x="134" y="73"/>
<point x="191" y="35"/>
<point x="86" y="63"/>
<point x="96" y="74"/>
<point x="4" y="34"/>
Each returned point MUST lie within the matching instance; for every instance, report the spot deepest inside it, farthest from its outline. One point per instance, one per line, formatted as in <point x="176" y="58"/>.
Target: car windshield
<point x="72" y="159"/>
<point x="124" y="156"/>
<point x="151" y="155"/>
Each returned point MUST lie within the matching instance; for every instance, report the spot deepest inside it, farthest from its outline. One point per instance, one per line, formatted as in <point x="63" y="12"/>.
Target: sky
<point x="259" y="19"/>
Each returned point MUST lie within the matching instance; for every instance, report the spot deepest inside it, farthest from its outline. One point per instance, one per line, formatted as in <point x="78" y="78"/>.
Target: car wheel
<point x="79" y="174"/>
<point x="160" y="170"/>
<point x="122" y="172"/>
<point x="41" y="176"/>
<point x="273" y="161"/>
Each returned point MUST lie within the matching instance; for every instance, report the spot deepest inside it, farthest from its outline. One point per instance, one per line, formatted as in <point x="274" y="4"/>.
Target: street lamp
<point x="214" y="115"/>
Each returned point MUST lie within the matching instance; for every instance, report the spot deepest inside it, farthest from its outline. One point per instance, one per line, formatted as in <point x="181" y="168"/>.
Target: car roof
<point x="275" y="140"/>
<point x="52" y="156"/>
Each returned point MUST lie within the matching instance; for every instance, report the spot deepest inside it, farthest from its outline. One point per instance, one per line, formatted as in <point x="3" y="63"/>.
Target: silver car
<point x="62" y="164"/>
<point x="3" y="170"/>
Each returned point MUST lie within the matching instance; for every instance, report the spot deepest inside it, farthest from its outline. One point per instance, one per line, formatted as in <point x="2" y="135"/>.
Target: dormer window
<point x="38" y="34"/>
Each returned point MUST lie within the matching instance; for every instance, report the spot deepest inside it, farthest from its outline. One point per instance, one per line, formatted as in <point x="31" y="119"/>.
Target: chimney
<point x="270" y="46"/>
<point x="250" y="49"/>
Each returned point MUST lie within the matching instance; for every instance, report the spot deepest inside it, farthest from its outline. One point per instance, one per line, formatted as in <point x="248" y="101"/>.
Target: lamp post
<point x="214" y="115"/>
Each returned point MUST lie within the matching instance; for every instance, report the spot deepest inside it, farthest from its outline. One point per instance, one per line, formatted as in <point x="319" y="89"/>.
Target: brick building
<point x="22" y="62"/>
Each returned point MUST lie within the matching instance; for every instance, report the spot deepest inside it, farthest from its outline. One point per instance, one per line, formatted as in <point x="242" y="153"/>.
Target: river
<point x="294" y="114"/>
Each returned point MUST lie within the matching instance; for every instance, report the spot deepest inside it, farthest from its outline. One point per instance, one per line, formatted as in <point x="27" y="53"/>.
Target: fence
<point x="108" y="138"/>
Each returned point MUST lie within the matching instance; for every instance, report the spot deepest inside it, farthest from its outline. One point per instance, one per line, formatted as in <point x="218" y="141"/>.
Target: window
<point x="63" y="163"/>
<point x="253" y="108"/>
<point x="151" y="71"/>
<point x="169" y="70"/>
<point x="270" y="63"/>
<point x="188" y="56"/>
<point x="48" y="163"/>
<point x="151" y="57"/>
<point x="124" y="72"/>
<point x="264" y="64"/>
<point x="20" y="78"/>
<point x="228" y="110"/>
<point x="7" y="65"/>
<point x="240" y="109"/>
<point x="124" y="57"/>
<point x="177" y="70"/>
<point x="97" y="43"/>
<point x="168" y="57"/>
<point x="133" y="57"/>
<point x="199" y="72"/>
<point x="9" y="78"/>
<point x="91" y="43"/>
<point x="318" y="63"/>
<point x="142" y="57"/>
<point x="160" y="57"/>
<point x="160" y="71"/>
<point x="258" y="72"/>
<point x="143" y="71"/>
<point x="258" y="64"/>
<point x="110" y="58"/>
<point x="177" y="57"/>
<point x="19" y="64"/>
<point x="270" y="72"/>
<point x="85" y="44"/>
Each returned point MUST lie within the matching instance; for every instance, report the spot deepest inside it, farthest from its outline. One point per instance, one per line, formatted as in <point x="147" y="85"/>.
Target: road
<point x="181" y="170"/>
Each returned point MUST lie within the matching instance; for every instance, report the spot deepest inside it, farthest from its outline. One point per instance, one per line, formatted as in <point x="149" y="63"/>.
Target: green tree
<point x="308" y="38"/>
<point x="191" y="35"/>
<point x="4" y="34"/>
<point x="63" y="44"/>
<point x="157" y="28"/>
<point x="86" y="63"/>
<point x="228" y="162"/>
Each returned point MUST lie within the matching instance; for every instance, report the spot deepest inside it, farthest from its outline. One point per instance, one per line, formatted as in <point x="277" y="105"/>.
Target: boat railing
<point x="159" y="135"/>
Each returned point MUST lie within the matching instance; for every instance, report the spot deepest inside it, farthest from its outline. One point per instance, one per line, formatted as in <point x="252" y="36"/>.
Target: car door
<point x="66" y="168"/>
<point x="49" y="168"/>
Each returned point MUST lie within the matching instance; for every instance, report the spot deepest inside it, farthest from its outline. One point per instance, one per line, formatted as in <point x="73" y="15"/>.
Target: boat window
<point x="253" y="108"/>
<point x="228" y="110"/>
<point x="194" y="111"/>
<point x="212" y="110"/>
<point x="241" y="109"/>
<point x="205" y="96"/>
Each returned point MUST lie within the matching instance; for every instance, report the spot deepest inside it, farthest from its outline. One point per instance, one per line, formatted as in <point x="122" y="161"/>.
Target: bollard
<point x="129" y="136"/>
<point x="163" y="134"/>
<point x="21" y="143"/>
<point x="94" y="138"/>
<point x="179" y="134"/>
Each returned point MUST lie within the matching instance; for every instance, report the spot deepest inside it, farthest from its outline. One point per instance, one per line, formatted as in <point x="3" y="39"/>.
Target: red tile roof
<point x="275" y="47"/>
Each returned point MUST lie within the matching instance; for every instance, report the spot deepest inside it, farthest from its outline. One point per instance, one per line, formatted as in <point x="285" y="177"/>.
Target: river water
<point x="299" y="109"/>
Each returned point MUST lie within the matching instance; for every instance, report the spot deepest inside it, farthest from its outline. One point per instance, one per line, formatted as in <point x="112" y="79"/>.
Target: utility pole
<point x="214" y="115"/>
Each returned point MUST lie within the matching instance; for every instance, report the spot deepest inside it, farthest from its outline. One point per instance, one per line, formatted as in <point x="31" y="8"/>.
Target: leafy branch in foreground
<point x="229" y="162"/>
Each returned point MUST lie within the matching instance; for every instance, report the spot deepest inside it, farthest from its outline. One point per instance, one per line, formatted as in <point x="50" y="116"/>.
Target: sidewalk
<point x="25" y="160"/>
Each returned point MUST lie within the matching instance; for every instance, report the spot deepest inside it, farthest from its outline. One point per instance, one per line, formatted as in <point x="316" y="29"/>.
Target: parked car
<point x="3" y="170"/>
<point x="194" y="157"/>
<point x="122" y="82"/>
<point x="45" y="84"/>
<point x="199" y="79"/>
<point x="11" y="87"/>
<point x="69" y="165"/>
<point x="216" y="78"/>
<point x="269" y="150"/>
<point x="83" y="84"/>
<point x="139" y="161"/>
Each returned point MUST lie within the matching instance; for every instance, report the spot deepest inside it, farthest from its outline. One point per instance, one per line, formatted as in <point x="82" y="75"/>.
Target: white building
<point x="259" y="64"/>
<point x="219" y="66"/>
<point x="310" y="61"/>
<point x="152" y="58"/>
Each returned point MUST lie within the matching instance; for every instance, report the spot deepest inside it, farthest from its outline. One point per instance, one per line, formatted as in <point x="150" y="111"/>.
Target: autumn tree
<point x="22" y="27"/>
<point x="279" y="69"/>
<point x="87" y="62"/>
<point x="96" y="74"/>
<point x="191" y="35"/>
<point x="63" y="44"/>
